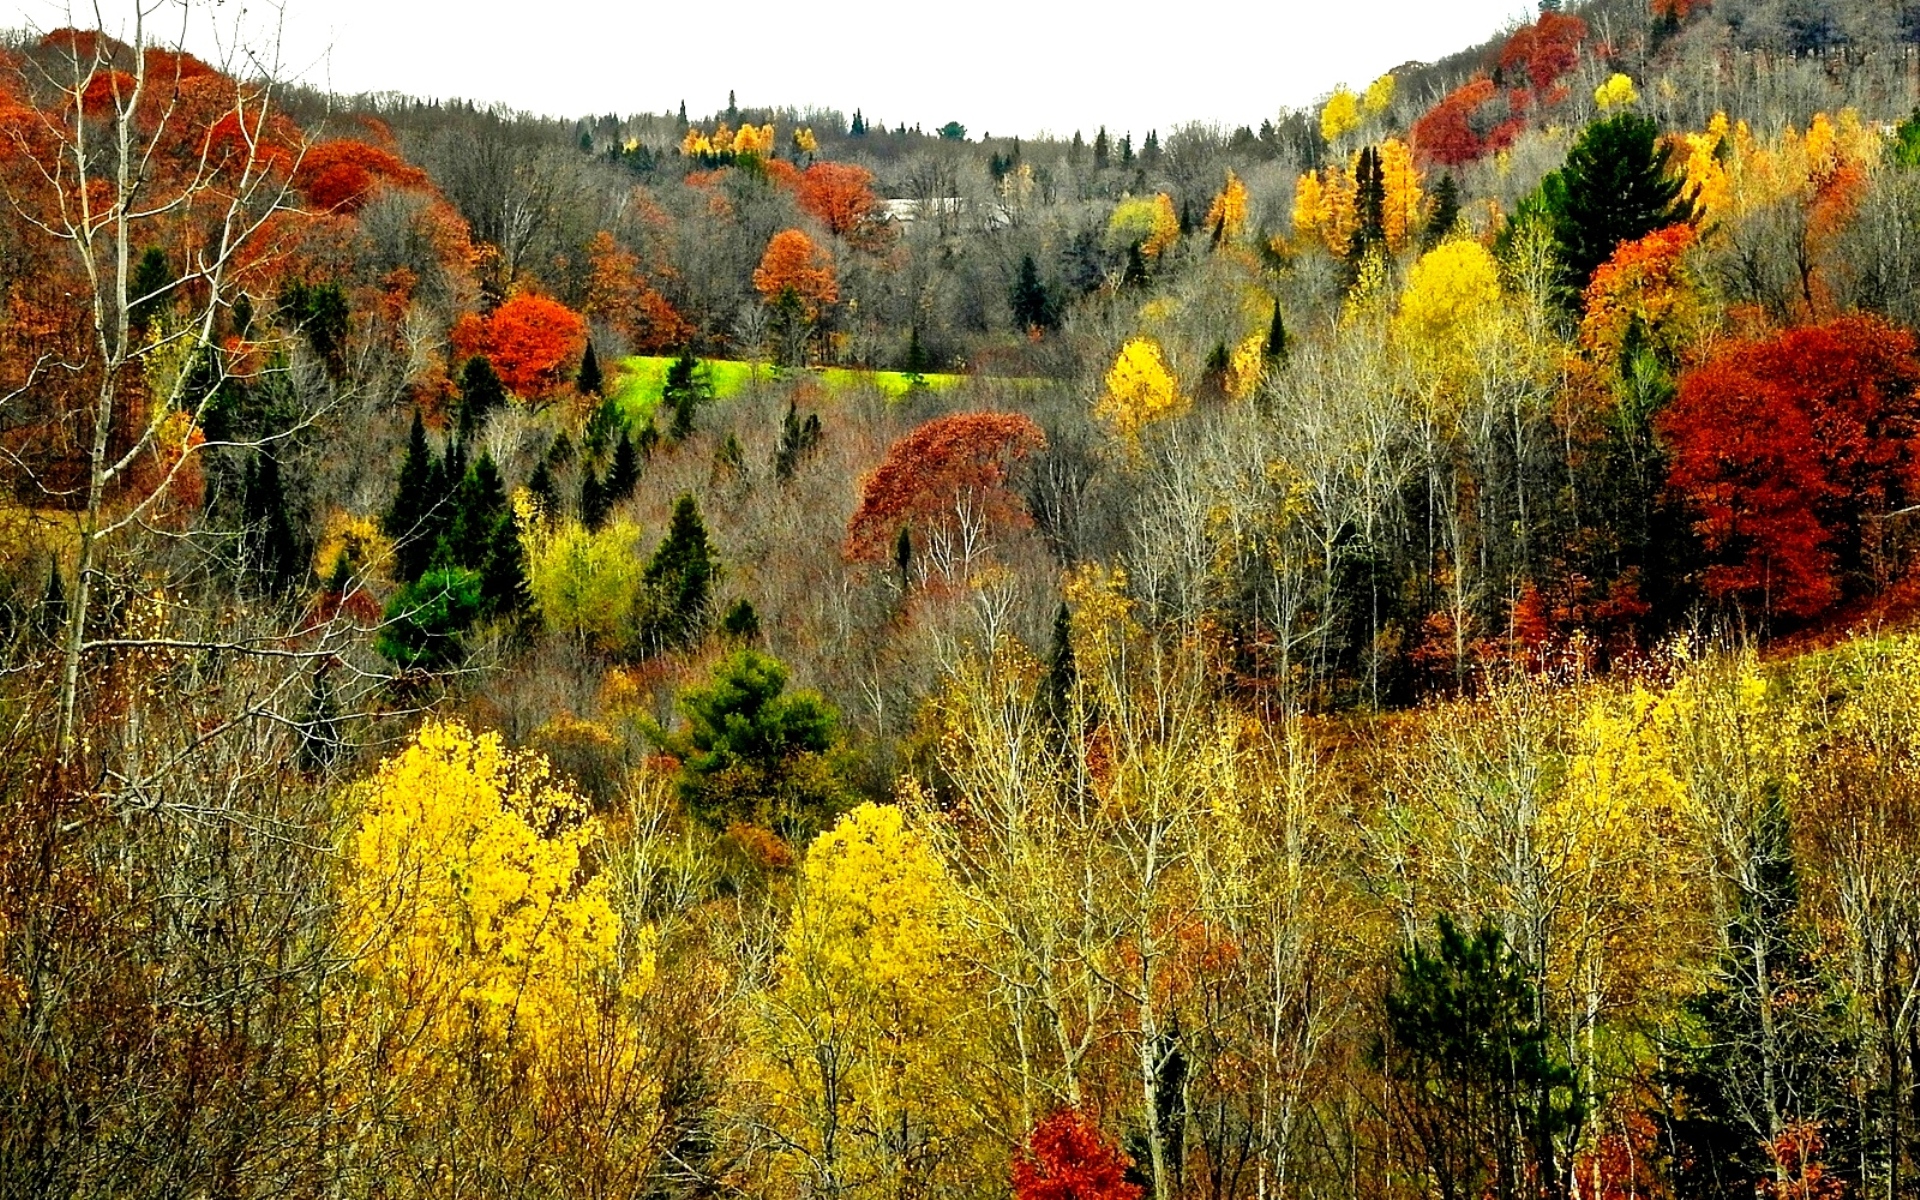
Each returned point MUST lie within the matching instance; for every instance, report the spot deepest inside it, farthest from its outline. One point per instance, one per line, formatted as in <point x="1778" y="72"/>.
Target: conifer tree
<point x="859" y="126"/>
<point x="679" y="579"/>
<point x="1102" y="149"/>
<point x="413" y="500"/>
<point x="543" y="488"/>
<point x="269" y="546"/>
<point x="1370" y="207"/>
<point x="52" y="617"/>
<point x="593" y="500"/>
<point x="1615" y="187"/>
<point x="1136" y="272"/>
<point x="686" y="388"/>
<point x="741" y="623"/>
<point x="1446" y="213"/>
<point x="903" y="556"/>
<point x="1276" y="348"/>
<point x="320" y="739"/>
<point x="478" y="503"/>
<point x="624" y="472"/>
<point x="589" y="382"/>
<point x="1032" y="306"/>
<point x="1063" y="674"/>
<point x="797" y="439"/>
<point x="150" y="275"/>
<point x="480" y="393"/>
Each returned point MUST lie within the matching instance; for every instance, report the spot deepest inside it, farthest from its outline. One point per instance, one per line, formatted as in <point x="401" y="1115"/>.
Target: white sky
<point x="1005" y="66"/>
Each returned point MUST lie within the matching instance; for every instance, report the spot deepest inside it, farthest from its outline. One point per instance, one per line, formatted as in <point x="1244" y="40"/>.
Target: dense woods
<point x="1369" y="654"/>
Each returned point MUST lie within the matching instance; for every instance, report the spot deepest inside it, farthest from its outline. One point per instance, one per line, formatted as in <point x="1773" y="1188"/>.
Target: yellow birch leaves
<point x="1140" y="390"/>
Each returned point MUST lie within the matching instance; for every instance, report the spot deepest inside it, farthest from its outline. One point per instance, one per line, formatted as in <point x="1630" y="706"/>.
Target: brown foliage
<point x="963" y="459"/>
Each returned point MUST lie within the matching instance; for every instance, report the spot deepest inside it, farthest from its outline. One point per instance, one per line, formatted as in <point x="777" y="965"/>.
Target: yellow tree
<point x="1140" y="390"/>
<point x="1340" y="115"/>
<point x="1451" y="301"/>
<point x="860" y="1041"/>
<point x="1401" y="211"/>
<point x="1227" y="215"/>
<point x="492" y="988"/>
<point x="1323" y="203"/>
<point x="1379" y="95"/>
<point x="1616" y="92"/>
<point x="1165" y="230"/>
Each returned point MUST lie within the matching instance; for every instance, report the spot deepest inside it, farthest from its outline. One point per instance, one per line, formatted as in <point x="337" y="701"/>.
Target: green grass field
<point x="642" y="377"/>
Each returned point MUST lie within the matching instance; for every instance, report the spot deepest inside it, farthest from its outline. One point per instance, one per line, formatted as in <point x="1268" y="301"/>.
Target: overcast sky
<point x="1001" y="66"/>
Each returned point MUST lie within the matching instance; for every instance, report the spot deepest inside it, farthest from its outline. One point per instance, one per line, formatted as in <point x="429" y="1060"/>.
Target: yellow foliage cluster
<point x="464" y="898"/>
<point x="1730" y="171"/>
<point x="1324" y="203"/>
<point x="1451" y="298"/>
<point x="1227" y="215"/>
<point x="586" y="583"/>
<point x="355" y="538"/>
<point x="1402" y="178"/>
<point x="1616" y="92"/>
<point x="1379" y="95"/>
<point x="1340" y="115"/>
<point x="804" y="139"/>
<point x="1166" y="227"/>
<point x="1140" y="390"/>
<point x="1152" y="224"/>
<point x="749" y="139"/>
<point x="1247" y="367"/>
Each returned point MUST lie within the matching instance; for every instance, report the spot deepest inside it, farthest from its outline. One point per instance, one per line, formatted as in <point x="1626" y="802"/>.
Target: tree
<point x="741" y="623"/>
<point x="1617" y="186"/>
<point x="1033" y="307"/>
<point x="1473" y="1077"/>
<point x="1140" y="391"/>
<point x="752" y="751"/>
<point x="1369" y="207"/>
<point x="1471" y="121"/>
<point x="424" y="622"/>
<point x="410" y="518"/>
<point x="1444" y="221"/>
<point x="623" y="474"/>
<point x="688" y="385"/>
<point x="952" y="131"/>
<point x="840" y="195"/>
<point x="794" y="265"/>
<point x="341" y="176"/>
<point x="1275" y="347"/>
<point x="1065" y="1157"/>
<point x="679" y="579"/>
<point x="797" y="440"/>
<point x="481" y="392"/>
<point x="1788" y="449"/>
<point x="270" y="549"/>
<point x="153" y="280"/>
<point x="589" y="382"/>
<point x="1227" y="214"/>
<point x="948" y="482"/>
<point x="533" y="342"/>
<point x="1340" y="115"/>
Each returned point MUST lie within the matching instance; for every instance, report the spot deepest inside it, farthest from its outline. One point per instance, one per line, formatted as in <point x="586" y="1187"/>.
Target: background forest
<point x="763" y="654"/>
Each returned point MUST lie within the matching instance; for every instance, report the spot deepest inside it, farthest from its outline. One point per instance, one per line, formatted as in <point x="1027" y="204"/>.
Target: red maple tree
<point x="1066" y="1157"/>
<point x="532" y="341"/>
<point x="950" y="464"/>
<point x="840" y="194"/>
<point x="1788" y="449"/>
<point x="1473" y="120"/>
<point x="341" y="176"/>
<point x="1543" y="51"/>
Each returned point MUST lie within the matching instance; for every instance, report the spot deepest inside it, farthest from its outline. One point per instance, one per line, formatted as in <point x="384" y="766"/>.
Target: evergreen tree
<point x="624" y="473"/>
<point x="687" y="387"/>
<point x="52" y="617"/>
<point x="1615" y="187"/>
<point x="903" y="556"/>
<point x="1150" y="149"/>
<point x="423" y="624"/>
<point x="1446" y="213"/>
<point x="679" y="579"/>
<point x="320" y="311"/>
<point x="859" y="126"/>
<point x="589" y="381"/>
<point x="1102" y="149"/>
<point x="605" y="420"/>
<point x="797" y="440"/>
<point x="1276" y="348"/>
<point x="150" y="275"/>
<point x="1213" y="377"/>
<point x="741" y="623"/>
<point x="1478" y="1088"/>
<point x="733" y="110"/>
<point x="916" y="353"/>
<point x="682" y="118"/>
<point x="407" y="517"/>
<point x="1136" y="272"/>
<point x="1063" y="673"/>
<point x="593" y="500"/>
<point x="1370" y="207"/>
<point x="270" y="549"/>
<point x="479" y="502"/>
<point x="1032" y="307"/>
<point x="545" y="491"/>
<point x="1126" y="150"/>
<point x="480" y="393"/>
<point x="730" y="454"/>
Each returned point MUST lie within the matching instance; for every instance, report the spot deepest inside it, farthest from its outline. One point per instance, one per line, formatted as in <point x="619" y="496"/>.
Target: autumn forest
<point x="1373" y="653"/>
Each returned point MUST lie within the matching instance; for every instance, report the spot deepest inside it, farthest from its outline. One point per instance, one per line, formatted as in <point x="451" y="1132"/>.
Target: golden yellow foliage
<point x="1247" y="367"/>
<point x="1402" y="178"/>
<point x="586" y="583"/>
<point x="1340" y="115"/>
<point x="1379" y="95"/>
<point x="806" y="141"/>
<point x="1451" y="298"/>
<point x="1324" y="203"/>
<point x="359" y="540"/>
<point x="1166" y="227"/>
<point x="1140" y="390"/>
<point x="1227" y="215"/>
<point x="1616" y="92"/>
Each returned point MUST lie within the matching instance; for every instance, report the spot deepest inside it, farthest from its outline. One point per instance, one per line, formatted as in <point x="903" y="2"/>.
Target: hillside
<point x="756" y="654"/>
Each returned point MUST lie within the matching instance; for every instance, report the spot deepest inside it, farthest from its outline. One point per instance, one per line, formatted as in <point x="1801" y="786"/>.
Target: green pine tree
<point x="903" y="556"/>
<point x="321" y="742"/>
<point x="1063" y="674"/>
<point x="623" y="475"/>
<point x="1370" y="208"/>
<point x="593" y="500"/>
<point x="1033" y="307"/>
<point x="1616" y="187"/>
<point x="741" y="623"/>
<point x="679" y="579"/>
<point x="481" y="392"/>
<point x="589" y="381"/>
<point x="1445" y="218"/>
<point x="687" y="387"/>
<point x="1276" y="348"/>
<point x="407" y="517"/>
<point x="545" y="491"/>
<point x="150" y="277"/>
<point x="51" y="619"/>
<point x="270" y="549"/>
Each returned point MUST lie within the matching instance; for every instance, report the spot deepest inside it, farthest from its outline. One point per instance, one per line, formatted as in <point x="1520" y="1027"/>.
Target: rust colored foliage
<point x="794" y="264"/>
<point x="1473" y="120"/>
<point x="1643" y="281"/>
<point x="342" y="176"/>
<point x="1066" y="1157"/>
<point x="1543" y="51"/>
<point x="533" y="343"/>
<point x="949" y="463"/>
<point x="840" y="194"/>
<point x="1787" y="448"/>
<point x="618" y="294"/>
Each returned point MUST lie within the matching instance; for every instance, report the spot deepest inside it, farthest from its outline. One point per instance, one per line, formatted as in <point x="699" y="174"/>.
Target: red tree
<point x="1544" y="50"/>
<point x="342" y="176"/>
<point x="1474" y="119"/>
<point x="1787" y="448"/>
<point x="1065" y="1157"/>
<point x="532" y="342"/>
<point x="948" y="465"/>
<point x="840" y="194"/>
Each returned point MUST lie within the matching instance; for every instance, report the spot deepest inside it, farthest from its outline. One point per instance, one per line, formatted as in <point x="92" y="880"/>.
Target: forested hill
<point x="773" y="654"/>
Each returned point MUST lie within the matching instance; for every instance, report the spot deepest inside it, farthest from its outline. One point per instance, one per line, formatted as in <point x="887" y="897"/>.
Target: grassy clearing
<point x="642" y="377"/>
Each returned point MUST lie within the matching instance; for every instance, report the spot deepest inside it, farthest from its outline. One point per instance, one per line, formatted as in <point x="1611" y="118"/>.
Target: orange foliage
<point x="1643" y="282"/>
<point x="619" y="295"/>
<point x="1066" y="1157"/>
<point x="840" y="194"/>
<point x="341" y="176"/>
<point x="794" y="264"/>
<point x="963" y="460"/>
<point x="533" y="343"/>
<point x="1787" y="448"/>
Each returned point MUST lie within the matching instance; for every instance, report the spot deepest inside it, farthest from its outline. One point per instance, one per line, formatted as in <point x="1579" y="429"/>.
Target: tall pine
<point x="480" y="393"/>
<point x="589" y="381"/>
<point x="679" y="579"/>
<point x="406" y="519"/>
<point x="1616" y="186"/>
